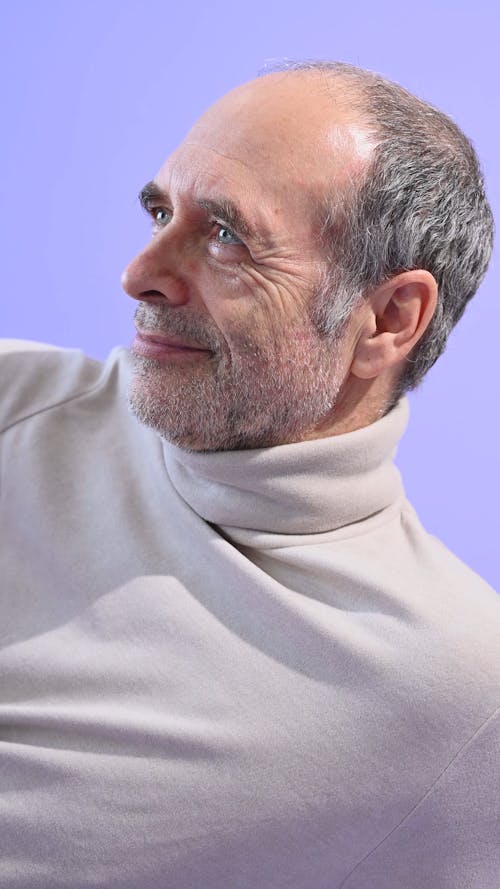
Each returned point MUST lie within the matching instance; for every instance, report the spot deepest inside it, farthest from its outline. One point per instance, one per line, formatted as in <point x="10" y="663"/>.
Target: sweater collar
<point x="302" y="488"/>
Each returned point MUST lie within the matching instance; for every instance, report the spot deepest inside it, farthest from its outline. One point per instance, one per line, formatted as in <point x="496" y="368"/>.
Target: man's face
<point x="228" y="280"/>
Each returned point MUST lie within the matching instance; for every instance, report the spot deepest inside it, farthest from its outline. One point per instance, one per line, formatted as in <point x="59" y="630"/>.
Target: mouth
<point x="151" y="344"/>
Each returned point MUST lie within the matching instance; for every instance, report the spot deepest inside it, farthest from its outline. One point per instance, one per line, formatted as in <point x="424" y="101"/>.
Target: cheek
<point x="246" y="282"/>
<point x="277" y="304"/>
<point x="250" y="307"/>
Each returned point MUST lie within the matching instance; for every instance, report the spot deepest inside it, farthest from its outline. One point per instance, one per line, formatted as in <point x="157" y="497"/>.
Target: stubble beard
<point x="259" y="394"/>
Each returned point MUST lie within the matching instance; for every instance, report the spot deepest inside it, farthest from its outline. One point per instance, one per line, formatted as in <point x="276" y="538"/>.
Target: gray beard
<point x="258" y="395"/>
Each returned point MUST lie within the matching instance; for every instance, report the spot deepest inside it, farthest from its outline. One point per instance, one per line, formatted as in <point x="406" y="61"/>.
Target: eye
<point x="160" y="216"/>
<point x="226" y="236"/>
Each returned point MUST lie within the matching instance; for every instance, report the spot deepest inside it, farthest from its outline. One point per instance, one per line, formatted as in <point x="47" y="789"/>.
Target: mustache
<point x="167" y="321"/>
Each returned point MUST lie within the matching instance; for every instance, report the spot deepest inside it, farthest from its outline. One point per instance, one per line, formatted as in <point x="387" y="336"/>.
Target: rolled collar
<point x="302" y="488"/>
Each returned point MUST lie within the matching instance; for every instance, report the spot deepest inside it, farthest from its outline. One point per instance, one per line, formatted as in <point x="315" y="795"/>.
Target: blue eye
<point x="160" y="215"/>
<point x="226" y="236"/>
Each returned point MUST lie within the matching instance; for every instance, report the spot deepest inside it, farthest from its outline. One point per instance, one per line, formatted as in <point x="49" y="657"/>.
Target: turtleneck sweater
<point x="236" y="670"/>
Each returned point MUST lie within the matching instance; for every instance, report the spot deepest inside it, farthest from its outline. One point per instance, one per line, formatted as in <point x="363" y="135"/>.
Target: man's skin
<point x="275" y="147"/>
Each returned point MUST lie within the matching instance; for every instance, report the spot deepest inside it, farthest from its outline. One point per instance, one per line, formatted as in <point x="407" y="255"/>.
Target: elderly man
<point x="232" y="656"/>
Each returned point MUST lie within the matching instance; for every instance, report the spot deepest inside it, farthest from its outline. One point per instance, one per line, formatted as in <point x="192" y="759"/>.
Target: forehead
<point x="272" y="148"/>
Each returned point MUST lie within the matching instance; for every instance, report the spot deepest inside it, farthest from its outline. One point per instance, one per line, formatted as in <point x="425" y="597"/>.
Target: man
<point x="232" y="656"/>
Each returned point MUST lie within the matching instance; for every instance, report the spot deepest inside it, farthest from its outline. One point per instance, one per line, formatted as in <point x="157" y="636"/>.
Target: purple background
<point x="96" y="94"/>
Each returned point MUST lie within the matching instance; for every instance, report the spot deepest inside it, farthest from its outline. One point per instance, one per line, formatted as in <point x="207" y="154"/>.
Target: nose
<point x="154" y="274"/>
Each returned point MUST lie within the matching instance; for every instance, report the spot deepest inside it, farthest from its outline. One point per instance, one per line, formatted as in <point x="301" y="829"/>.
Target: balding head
<point x="306" y="120"/>
<point x="301" y="232"/>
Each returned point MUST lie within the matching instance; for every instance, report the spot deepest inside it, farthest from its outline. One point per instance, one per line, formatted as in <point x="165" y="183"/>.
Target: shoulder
<point x="10" y="347"/>
<point x="441" y="570"/>
<point x="38" y="376"/>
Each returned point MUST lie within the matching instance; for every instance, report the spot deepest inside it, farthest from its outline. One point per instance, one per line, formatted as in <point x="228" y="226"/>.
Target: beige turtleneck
<point x="246" y="670"/>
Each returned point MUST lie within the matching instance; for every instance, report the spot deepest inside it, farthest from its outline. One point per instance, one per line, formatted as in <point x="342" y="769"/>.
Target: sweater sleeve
<point x="450" y="839"/>
<point x="36" y="376"/>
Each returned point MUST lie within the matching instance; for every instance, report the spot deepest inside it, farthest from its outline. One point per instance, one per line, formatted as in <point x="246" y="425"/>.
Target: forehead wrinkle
<point x="228" y="157"/>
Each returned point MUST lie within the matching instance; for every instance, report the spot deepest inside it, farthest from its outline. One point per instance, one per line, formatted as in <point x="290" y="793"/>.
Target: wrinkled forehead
<point x="280" y="145"/>
<point x="288" y="127"/>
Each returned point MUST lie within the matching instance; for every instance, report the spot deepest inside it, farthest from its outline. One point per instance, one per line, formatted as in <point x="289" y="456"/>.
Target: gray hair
<point x="420" y="205"/>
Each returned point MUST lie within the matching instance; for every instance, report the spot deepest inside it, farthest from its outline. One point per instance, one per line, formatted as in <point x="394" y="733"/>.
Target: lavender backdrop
<point x="96" y="94"/>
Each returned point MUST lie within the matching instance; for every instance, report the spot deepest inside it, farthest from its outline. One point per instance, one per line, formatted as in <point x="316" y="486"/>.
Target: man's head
<point x="291" y="278"/>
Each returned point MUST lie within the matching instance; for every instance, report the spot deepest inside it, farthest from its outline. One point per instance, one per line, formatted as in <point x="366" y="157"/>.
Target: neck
<point x="360" y="403"/>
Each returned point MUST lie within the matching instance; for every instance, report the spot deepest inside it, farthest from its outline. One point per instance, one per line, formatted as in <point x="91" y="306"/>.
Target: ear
<point x="396" y="315"/>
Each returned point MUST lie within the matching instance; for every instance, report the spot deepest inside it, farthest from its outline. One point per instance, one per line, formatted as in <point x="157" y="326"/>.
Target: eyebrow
<point x="149" y="193"/>
<point x="222" y="208"/>
<point x="226" y="210"/>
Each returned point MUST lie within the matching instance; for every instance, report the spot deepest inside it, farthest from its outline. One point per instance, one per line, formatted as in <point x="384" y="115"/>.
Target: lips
<point x="170" y="341"/>
<point x="157" y="345"/>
